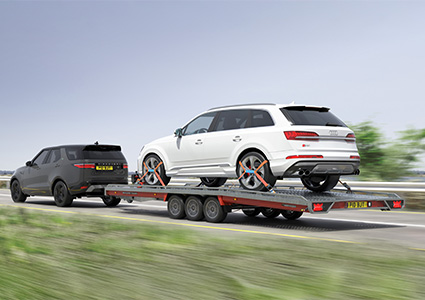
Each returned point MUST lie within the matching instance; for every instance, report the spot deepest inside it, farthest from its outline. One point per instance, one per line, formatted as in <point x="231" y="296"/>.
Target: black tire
<point x="213" y="211"/>
<point x="61" y="194"/>
<point x="291" y="214"/>
<point x="320" y="183"/>
<point x="152" y="161"/>
<point x="111" y="201"/>
<point x="251" y="212"/>
<point x="16" y="192"/>
<point x="270" y="213"/>
<point x="175" y="206"/>
<point x="213" y="181"/>
<point x="193" y="208"/>
<point x="251" y="161"/>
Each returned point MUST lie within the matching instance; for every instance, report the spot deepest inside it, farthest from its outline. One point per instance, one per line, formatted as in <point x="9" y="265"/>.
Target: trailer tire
<point x="213" y="211"/>
<point x="291" y="214"/>
<point x="194" y="208"/>
<point x="270" y="213"/>
<point x="251" y="212"/>
<point x="175" y="207"/>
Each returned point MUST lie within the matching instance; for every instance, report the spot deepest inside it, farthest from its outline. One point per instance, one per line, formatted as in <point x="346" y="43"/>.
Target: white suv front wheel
<point x="154" y="171"/>
<point x="251" y="164"/>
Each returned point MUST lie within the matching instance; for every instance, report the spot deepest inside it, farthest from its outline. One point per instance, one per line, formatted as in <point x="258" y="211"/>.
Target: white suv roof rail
<point x="237" y="105"/>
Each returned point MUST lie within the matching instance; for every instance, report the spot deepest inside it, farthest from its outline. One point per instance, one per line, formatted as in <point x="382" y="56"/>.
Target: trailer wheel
<point x="291" y="214"/>
<point x="194" y="208"/>
<point x="175" y="207"/>
<point x="270" y="213"/>
<point x="251" y="212"/>
<point x="213" y="211"/>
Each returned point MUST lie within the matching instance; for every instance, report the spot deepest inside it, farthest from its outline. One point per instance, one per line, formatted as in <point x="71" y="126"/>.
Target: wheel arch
<point x="252" y="149"/>
<point x="157" y="152"/>
<point x="54" y="182"/>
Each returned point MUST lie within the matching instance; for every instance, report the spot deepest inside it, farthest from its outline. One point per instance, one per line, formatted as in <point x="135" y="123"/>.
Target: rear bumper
<point x="96" y="190"/>
<point x="92" y="190"/>
<point x="306" y="168"/>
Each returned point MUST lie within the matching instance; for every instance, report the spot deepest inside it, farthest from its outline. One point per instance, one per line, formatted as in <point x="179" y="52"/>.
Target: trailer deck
<point x="196" y="202"/>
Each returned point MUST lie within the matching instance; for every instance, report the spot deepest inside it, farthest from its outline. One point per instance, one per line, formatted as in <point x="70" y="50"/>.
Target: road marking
<point x="397" y="211"/>
<point x="417" y="249"/>
<point x="189" y="225"/>
<point x="368" y="222"/>
<point x="227" y="229"/>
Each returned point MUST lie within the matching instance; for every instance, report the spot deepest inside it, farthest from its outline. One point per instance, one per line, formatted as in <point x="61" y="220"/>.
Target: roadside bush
<point x="414" y="200"/>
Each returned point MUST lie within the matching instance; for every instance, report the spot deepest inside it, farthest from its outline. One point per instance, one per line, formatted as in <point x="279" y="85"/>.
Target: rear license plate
<point x="361" y="204"/>
<point x="104" y="168"/>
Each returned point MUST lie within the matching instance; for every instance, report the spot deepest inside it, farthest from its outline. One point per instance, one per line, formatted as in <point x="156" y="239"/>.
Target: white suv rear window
<point x="320" y="116"/>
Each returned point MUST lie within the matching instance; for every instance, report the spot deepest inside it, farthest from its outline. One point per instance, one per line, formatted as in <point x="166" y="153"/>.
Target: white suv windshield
<point x="200" y="125"/>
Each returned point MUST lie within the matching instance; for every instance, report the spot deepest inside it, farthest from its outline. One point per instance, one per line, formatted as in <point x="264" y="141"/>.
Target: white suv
<point x="258" y="144"/>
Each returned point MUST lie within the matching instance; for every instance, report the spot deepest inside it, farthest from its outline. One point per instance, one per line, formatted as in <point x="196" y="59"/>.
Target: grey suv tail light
<point x="84" y="166"/>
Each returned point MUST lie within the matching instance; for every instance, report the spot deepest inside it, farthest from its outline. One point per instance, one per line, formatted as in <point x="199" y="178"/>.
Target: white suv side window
<point x="201" y="124"/>
<point x="232" y="119"/>
<point x="243" y="118"/>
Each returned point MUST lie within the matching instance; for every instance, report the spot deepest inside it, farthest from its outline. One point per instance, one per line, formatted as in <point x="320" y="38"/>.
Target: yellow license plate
<point x="361" y="204"/>
<point x="104" y="168"/>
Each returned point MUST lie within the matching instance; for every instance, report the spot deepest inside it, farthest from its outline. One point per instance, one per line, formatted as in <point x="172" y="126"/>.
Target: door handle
<point x="198" y="142"/>
<point x="237" y="138"/>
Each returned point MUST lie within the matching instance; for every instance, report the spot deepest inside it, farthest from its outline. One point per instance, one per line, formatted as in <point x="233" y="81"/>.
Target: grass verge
<point x="44" y="256"/>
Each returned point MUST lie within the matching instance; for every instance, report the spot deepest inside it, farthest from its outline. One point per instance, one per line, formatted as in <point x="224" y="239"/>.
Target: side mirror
<point x="178" y="132"/>
<point x="28" y="164"/>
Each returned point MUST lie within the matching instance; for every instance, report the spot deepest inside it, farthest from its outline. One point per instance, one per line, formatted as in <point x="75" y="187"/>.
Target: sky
<point x="128" y="72"/>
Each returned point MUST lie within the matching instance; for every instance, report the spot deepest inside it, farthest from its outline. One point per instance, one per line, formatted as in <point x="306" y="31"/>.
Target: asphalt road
<point x="403" y="228"/>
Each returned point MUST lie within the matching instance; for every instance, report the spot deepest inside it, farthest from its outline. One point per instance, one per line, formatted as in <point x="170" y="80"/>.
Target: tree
<point x="381" y="160"/>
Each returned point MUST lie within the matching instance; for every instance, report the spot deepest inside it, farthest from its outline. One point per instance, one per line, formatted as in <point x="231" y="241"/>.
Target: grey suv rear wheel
<point x="61" y="194"/>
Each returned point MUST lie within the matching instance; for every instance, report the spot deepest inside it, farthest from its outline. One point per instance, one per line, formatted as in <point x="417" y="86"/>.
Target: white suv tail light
<point x="350" y="138"/>
<point x="301" y="135"/>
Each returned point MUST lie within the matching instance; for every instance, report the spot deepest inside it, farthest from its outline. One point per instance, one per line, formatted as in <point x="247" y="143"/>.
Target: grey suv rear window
<point x="94" y="152"/>
<point x="301" y="115"/>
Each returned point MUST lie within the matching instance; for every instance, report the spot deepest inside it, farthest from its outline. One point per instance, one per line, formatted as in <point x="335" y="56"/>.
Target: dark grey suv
<point x="69" y="172"/>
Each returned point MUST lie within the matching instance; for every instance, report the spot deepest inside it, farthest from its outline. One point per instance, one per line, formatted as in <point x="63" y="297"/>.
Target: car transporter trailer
<point x="213" y="204"/>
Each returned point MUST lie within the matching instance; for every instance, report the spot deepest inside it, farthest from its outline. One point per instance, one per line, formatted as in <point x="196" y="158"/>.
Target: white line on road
<point x="369" y="222"/>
